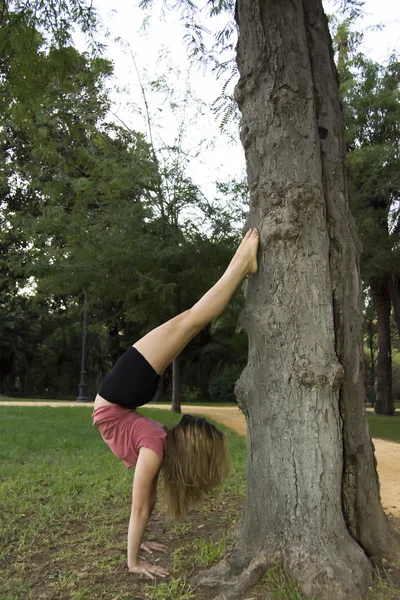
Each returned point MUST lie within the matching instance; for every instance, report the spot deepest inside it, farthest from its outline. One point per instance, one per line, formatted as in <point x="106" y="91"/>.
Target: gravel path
<point x="387" y="453"/>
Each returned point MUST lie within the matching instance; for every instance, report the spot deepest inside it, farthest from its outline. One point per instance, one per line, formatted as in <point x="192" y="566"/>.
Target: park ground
<point x="65" y="500"/>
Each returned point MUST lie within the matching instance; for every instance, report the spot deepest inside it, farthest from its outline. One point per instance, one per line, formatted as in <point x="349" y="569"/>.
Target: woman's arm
<point x="147" y="468"/>
<point x="153" y="493"/>
<point x="151" y="547"/>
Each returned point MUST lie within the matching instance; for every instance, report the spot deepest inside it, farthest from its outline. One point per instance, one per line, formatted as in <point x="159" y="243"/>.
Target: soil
<point x="387" y="453"/>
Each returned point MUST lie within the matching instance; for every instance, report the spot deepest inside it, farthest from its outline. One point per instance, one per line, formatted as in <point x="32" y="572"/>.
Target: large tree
<point x="312" y="489"/>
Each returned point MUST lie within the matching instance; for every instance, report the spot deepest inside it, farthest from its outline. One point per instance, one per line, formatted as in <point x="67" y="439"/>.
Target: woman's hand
<point x="149" y="570"/>
<point x="151" y="547"/>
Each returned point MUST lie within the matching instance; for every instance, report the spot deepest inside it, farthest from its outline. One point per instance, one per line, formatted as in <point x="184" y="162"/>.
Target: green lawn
<point x="386" y="428"/>
<point x="64" y="510"/>
<point x="65" y="504"/>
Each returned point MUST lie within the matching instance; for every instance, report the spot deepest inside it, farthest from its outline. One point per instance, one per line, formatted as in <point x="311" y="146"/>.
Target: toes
<point x="248" y="233"/>
<point x="252" y="232"/>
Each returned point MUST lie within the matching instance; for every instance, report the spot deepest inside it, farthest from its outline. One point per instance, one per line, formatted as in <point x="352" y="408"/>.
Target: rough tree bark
<point x="312" y="491"/>
<point x="384" y="391"/>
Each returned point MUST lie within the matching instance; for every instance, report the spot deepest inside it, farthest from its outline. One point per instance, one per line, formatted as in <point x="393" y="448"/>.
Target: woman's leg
<point x="161" y="345"/>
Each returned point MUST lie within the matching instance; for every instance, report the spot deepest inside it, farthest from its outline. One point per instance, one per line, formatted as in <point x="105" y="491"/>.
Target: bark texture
<point x="312" y="491"/>
<point x="384" y="391"/>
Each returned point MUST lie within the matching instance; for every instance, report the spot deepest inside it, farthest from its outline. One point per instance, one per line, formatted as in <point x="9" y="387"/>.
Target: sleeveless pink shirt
<point x="126" y="431"/>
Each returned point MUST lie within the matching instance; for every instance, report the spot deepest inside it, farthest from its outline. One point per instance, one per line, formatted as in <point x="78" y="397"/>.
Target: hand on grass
<point x="149" y="570"/>
<point x="151" y="547"/>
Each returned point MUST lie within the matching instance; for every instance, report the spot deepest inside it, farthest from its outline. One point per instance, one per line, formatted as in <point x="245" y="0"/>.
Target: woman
<point x="194" y="454"/>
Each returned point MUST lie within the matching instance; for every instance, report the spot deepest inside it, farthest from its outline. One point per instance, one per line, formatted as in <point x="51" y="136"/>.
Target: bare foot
<point x="242" y="243"/>
<point x="246" y="254"/>
<point x="252" y="247"/>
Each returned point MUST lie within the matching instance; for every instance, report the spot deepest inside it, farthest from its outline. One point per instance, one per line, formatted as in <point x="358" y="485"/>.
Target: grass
<point x="278" y="587"/>
<point x="176" y="589"/>
<point x="65" y="502"/>
<point x="64" y="505"/>
<point x="209" y="552"/>
<point x="385" y="588"/>
<point x="386" y="428"/>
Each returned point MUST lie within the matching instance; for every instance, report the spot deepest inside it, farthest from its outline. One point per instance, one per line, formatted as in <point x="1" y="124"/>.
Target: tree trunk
<point x="176" y="385"/>
<point x="384" y="392"/>
<point x="2" y="386"/>
<point x="394" y="289"/>
<point x="6" y="364"/>
<point x="370" y="341"/>
<point x="160" y="389"/>
<point x="176" y="367"/>
<point x="312" y="492"/>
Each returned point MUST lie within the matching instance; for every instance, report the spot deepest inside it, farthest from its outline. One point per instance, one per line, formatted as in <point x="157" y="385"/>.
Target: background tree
<point x="371" y="95"/>
<point x="371" y="343"/>
<point x="89" y="205"/>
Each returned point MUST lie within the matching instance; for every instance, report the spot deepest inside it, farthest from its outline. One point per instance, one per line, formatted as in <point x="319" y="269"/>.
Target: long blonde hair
<point x="196" y="460"/>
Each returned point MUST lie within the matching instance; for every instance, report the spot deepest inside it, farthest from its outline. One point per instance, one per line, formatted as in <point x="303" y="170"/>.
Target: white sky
<point x="161" y="52"/>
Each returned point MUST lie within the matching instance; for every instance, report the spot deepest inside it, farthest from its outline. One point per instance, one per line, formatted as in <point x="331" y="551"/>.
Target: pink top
<point x="125" y="431"/>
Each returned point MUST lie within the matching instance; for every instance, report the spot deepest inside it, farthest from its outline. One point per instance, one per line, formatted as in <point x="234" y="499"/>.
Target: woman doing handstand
<point x="194" y="454"/>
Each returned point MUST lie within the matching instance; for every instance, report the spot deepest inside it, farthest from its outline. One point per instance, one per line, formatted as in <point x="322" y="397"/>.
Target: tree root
<point x="225" y="580"/>
<point x="334" y="569"/>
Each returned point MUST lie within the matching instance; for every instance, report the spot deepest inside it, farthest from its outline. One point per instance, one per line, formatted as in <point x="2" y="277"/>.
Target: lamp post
<point x="82" y="384"/>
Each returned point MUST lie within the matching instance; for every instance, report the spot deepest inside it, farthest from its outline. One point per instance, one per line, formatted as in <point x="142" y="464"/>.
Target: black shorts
<point x="132" y="382"/>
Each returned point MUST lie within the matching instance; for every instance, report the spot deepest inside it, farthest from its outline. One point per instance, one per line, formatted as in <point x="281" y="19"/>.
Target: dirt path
<point x="387" y="453"/>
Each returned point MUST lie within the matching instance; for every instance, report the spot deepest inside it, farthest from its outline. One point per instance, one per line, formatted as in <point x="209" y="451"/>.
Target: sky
<point x="148" y="48"/>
